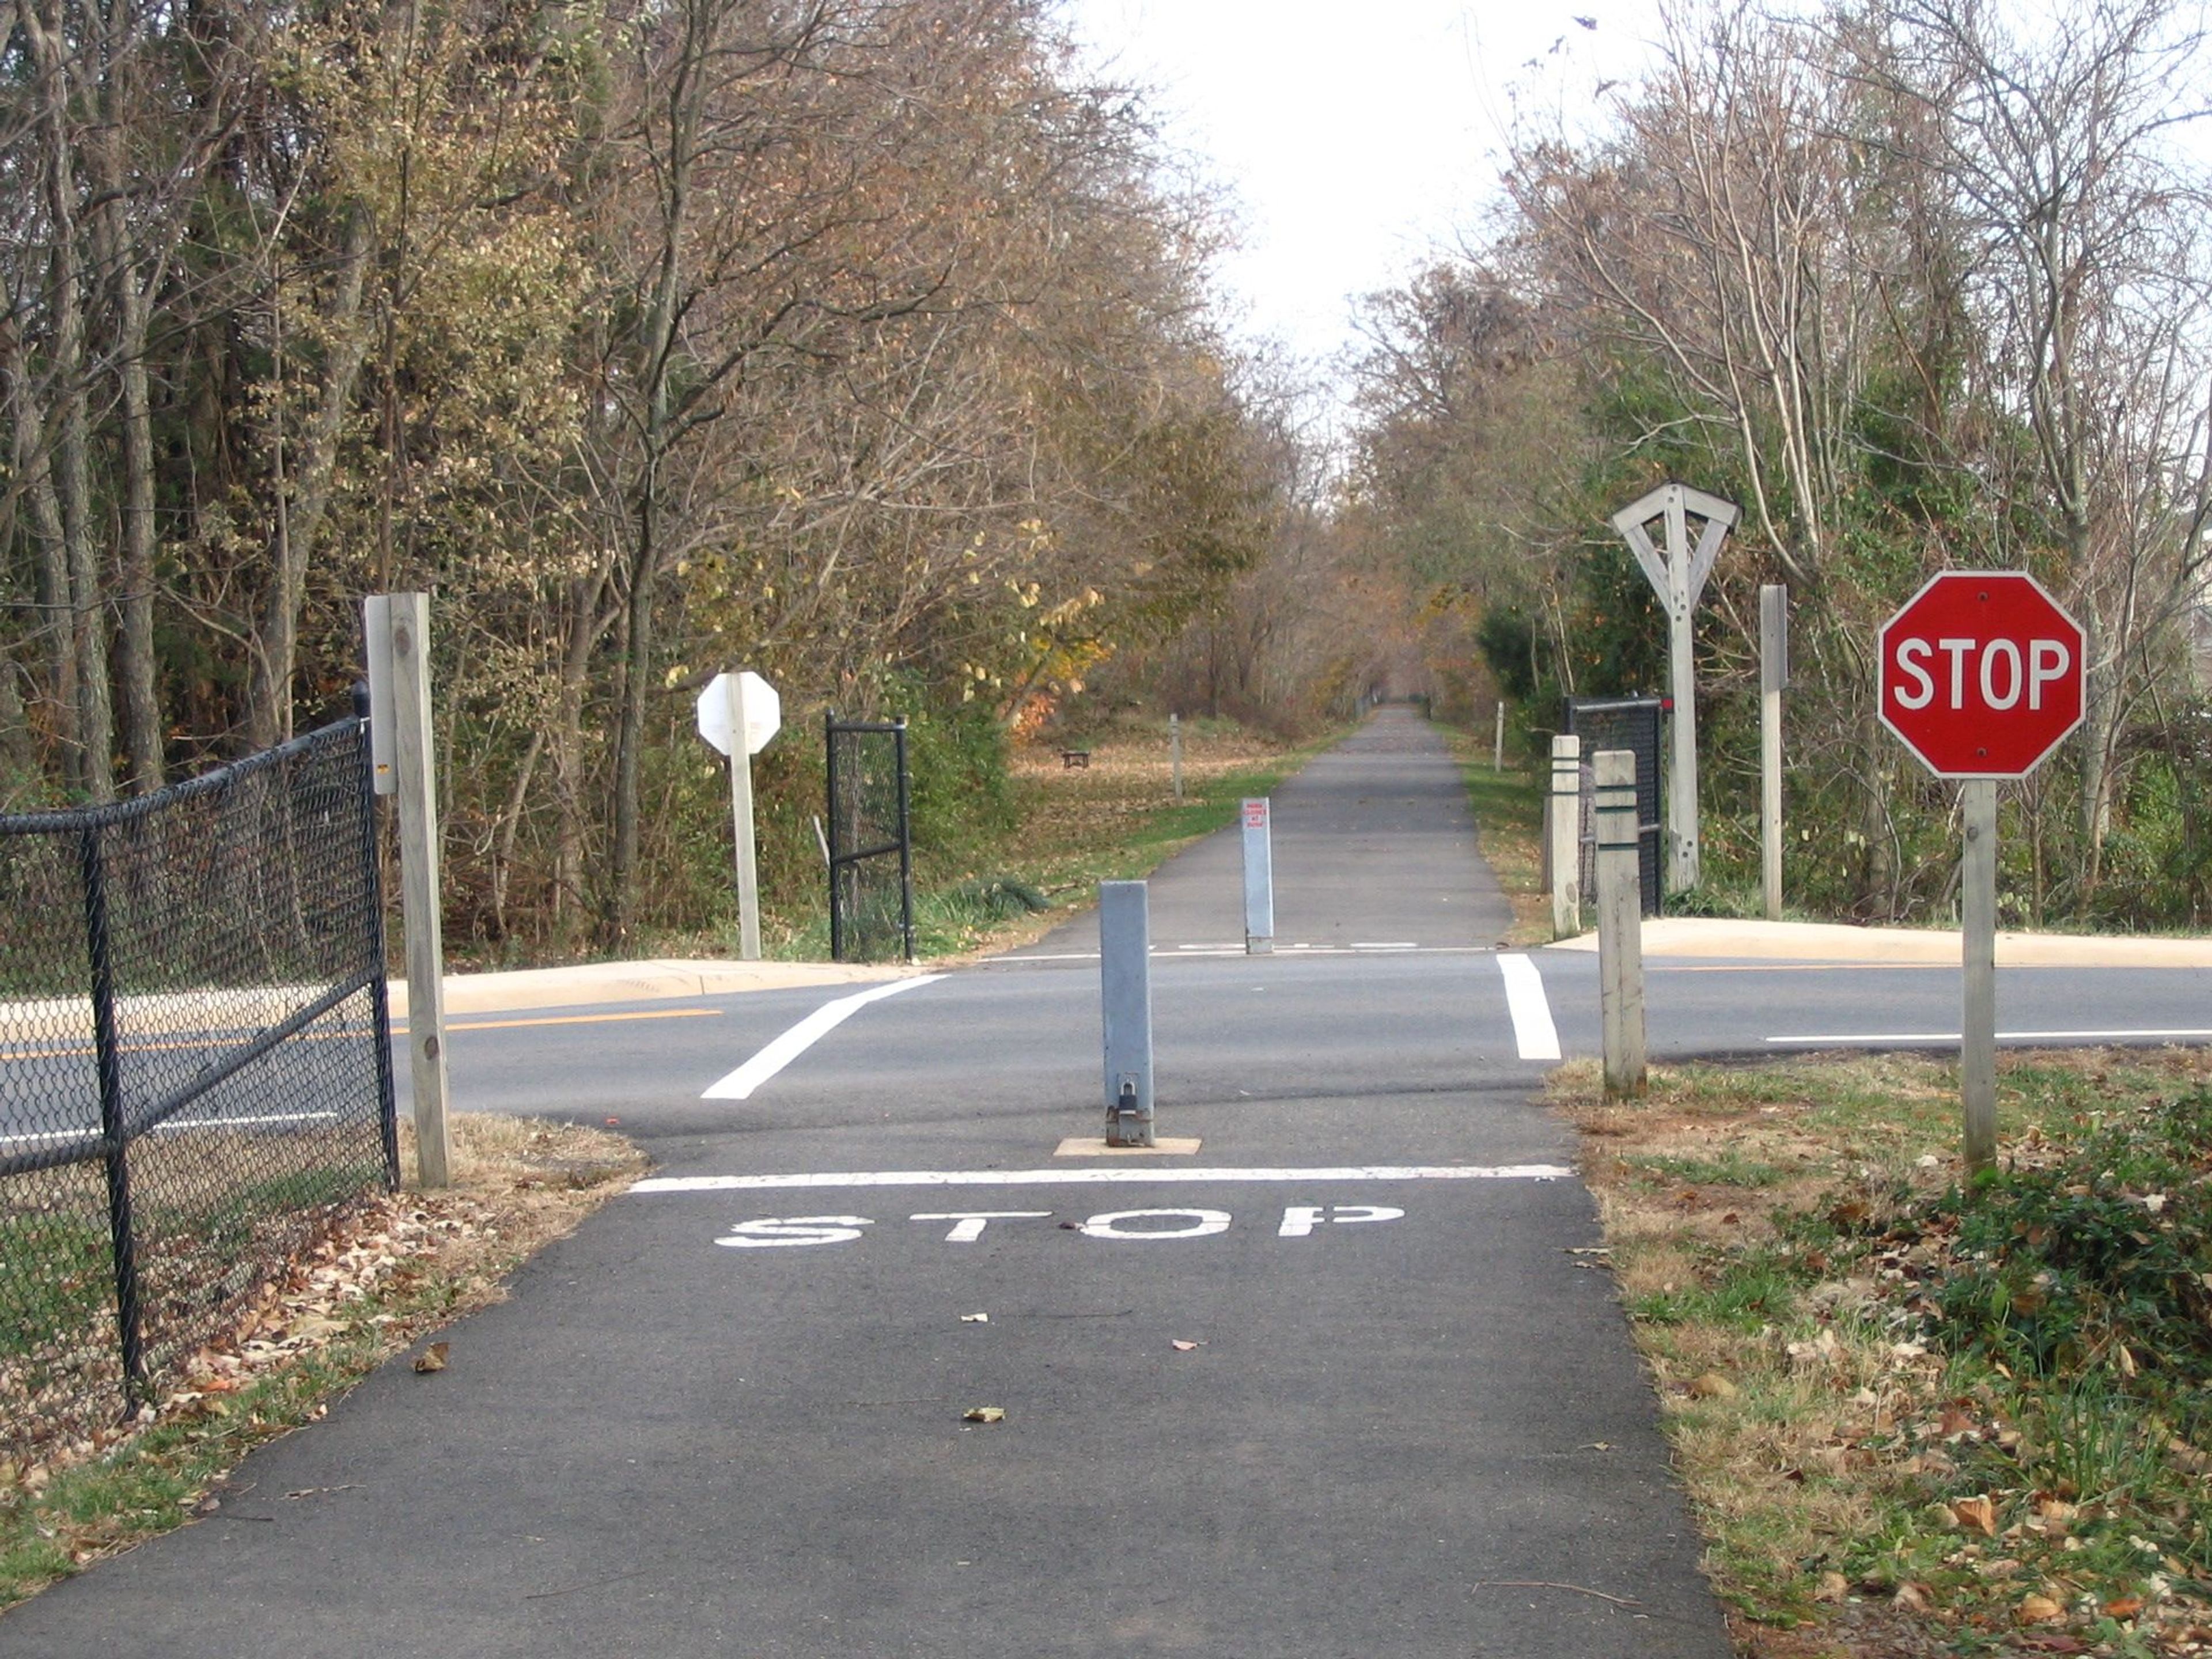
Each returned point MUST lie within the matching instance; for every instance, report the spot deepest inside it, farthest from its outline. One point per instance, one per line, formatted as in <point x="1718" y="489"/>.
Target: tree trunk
<point x="300" y="508"/>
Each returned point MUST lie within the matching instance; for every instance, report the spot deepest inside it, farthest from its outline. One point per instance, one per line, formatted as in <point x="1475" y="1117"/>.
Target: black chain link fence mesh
<point x="195" y="1073"/>
<point x="871" y="853"/>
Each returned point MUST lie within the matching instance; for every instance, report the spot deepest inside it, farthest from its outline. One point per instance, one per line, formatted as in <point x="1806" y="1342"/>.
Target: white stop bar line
<point x="1533" y="1030"/>
<point x="1091" y="1176"/>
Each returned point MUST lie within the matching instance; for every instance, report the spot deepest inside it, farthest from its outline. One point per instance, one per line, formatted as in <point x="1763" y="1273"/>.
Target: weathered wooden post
<point x="1565" y="807"/>
<point x="1773" y="676"/>
<point x="1620" y="924"/>
<point x="1678" y="576"/>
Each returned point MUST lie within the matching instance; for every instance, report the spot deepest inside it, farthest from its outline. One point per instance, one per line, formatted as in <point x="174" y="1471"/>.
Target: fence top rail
<point x="77" y="819"/>
<point x="867" y="726"/>
<point x="1610" y="705"/>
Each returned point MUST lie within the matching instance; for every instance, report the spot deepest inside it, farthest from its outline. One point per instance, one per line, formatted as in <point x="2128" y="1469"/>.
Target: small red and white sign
<point x="1256" y="815"/>
<point x="1981" y="674"/>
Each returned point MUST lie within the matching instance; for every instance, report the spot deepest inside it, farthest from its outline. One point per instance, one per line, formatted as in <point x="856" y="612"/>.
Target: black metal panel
<point x="1633" y="723"/>
<point x="871" y="842"/>
<point x="195" y="1070"/>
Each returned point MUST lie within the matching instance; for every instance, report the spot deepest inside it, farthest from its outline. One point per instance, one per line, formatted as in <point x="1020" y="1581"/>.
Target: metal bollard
<point x="1620" y="924"/>
<point x="1258" y="879"/>
<point x="1563" y="845"/>
<point x="1125" y="942"/>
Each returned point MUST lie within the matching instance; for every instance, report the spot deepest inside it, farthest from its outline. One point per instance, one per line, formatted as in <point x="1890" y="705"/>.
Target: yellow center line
<point x="81" y="1050"/>
<point x="573" y="1020"/>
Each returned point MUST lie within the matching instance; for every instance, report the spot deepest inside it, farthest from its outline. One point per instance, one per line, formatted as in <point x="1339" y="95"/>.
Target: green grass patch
<point x="1509" y="816"/>
<point x="1980" y="1408"/>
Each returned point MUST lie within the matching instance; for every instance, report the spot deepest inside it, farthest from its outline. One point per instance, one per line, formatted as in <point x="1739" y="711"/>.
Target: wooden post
<point x="741" y="818"/>
<point x="419" y="887"/>
<point x="1174" y="752"/>
<point x="1564" y="843"/>
<point x="1497" y="746"/>
<point x="1977" y="1047"/>
<point x="1678" y="576"/>
<point x="1773" y="675"/>
<point x="1620" y="924"/>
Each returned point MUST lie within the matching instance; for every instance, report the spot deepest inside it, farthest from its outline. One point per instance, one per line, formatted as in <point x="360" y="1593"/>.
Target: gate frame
<point x="840" y="857"/>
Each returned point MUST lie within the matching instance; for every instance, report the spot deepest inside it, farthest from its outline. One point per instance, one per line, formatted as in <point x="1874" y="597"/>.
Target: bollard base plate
<point x="1099" y="1147"/>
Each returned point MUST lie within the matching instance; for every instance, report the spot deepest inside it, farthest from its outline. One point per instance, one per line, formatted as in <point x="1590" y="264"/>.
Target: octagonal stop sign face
<point x="1981" y="674"/>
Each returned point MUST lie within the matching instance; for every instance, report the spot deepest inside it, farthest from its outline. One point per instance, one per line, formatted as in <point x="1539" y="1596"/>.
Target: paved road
<point x="1408" y="1418"/>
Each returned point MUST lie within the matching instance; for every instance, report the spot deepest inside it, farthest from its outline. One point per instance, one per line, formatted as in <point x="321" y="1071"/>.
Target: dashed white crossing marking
<point x="740" y="1083"/>
<point x="1533" y="1030"/>
<point x="1121" y="1174"/>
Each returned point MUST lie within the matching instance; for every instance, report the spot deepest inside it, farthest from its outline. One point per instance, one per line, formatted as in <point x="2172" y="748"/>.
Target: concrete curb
<point x="1810" y="941"/>
<point x="591" y="983"/>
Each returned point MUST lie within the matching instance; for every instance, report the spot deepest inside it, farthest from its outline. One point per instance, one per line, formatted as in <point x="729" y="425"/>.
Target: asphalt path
<point x="1335" y="1383"/>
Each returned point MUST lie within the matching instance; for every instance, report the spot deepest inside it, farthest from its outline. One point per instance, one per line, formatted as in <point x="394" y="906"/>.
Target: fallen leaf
<point x="975" y="1319"/>
<point x="1713" y="1386"/>
<point x="984" y="1414"/>
<point x="432" y="1358"/>
<point x="1911" y="1598"/>
<point x="1979" y="1513"/>
<point x="1833" y="1587"/>
<point x="1182" y="1347"/>
<point x="2039" y="1610"/>
<point x="2124" y="1606"/>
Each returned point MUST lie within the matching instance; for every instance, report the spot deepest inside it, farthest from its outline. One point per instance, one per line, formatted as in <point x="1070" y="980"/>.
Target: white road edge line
<point x="1120" y="1176"/>
<point x="1848" y="1039"/>
<point x="740" y="1083"/>
<point x="1539" y="1039"/>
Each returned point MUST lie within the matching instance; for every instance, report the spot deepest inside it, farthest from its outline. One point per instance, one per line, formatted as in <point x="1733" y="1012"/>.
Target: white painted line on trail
<point x="740" y="1083"/>
<point x="1533" y="1030"/>
<point x="1931" y="1039"/>
<point x="1384" y="944"/>
<point x="1118" y="1174"/>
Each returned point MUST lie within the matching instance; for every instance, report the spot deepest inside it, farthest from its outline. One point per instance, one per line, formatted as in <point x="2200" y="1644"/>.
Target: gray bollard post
<point x="1620" y="924"/>
<point x="1174" y="752"/>
<point x="1258" y="879"/>
<point x="1565" y="848"/>
<point x="1125" y="943"/>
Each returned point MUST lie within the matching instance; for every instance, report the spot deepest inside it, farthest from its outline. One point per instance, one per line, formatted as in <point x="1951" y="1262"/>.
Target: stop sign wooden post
<point x="1981" y="676"/>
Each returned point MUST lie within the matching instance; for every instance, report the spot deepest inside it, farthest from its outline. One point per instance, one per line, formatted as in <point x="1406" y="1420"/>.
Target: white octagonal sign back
<point x="764" y="711"/>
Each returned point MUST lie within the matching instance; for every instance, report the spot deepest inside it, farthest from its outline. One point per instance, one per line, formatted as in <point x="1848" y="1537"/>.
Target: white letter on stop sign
<point x="1997" y="676"/>
<point x="2047" y="660"/>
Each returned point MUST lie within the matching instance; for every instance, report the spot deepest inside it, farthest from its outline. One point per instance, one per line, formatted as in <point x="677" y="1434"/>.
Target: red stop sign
<point x="1981" y="674"/>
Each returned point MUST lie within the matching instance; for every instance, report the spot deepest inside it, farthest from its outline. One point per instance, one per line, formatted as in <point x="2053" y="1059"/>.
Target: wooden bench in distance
<point x="1071" y="758"/>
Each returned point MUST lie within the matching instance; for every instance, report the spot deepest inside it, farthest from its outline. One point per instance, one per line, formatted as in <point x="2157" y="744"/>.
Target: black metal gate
<point x="871" y="896"/>
<point x="1629" y="723"/>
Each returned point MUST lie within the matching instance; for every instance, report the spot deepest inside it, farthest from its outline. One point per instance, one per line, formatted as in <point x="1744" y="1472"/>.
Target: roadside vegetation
<point x="1509" y="816"/>
<point x="1916" y="1417"/>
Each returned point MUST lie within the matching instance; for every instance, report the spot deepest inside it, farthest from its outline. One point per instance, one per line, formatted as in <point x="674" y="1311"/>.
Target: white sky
<point x="1356" y="136"/>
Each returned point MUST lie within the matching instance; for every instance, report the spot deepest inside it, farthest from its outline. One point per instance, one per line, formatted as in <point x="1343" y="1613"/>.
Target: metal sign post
<point x="1678" y="576"/>
<point x="1259" y="880"/>
<point x="742" y="703"/>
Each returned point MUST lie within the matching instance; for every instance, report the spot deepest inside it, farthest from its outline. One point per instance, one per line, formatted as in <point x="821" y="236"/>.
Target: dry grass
<point x="1830" y="1446"/>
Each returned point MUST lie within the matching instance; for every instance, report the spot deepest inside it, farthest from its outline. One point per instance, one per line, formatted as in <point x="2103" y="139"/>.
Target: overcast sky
<point x="1355" y="139"/>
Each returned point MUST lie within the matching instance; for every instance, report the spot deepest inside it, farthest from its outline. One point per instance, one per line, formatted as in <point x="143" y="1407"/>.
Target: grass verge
<point x="1917" y="1415"/>
<point x="386" y="1272"/>
<point x="1509" y="816"/>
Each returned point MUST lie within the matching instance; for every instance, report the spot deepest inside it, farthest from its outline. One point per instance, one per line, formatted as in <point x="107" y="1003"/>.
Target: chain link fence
<point x="195" y="1067"/>
<point x="871" y="844"/>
